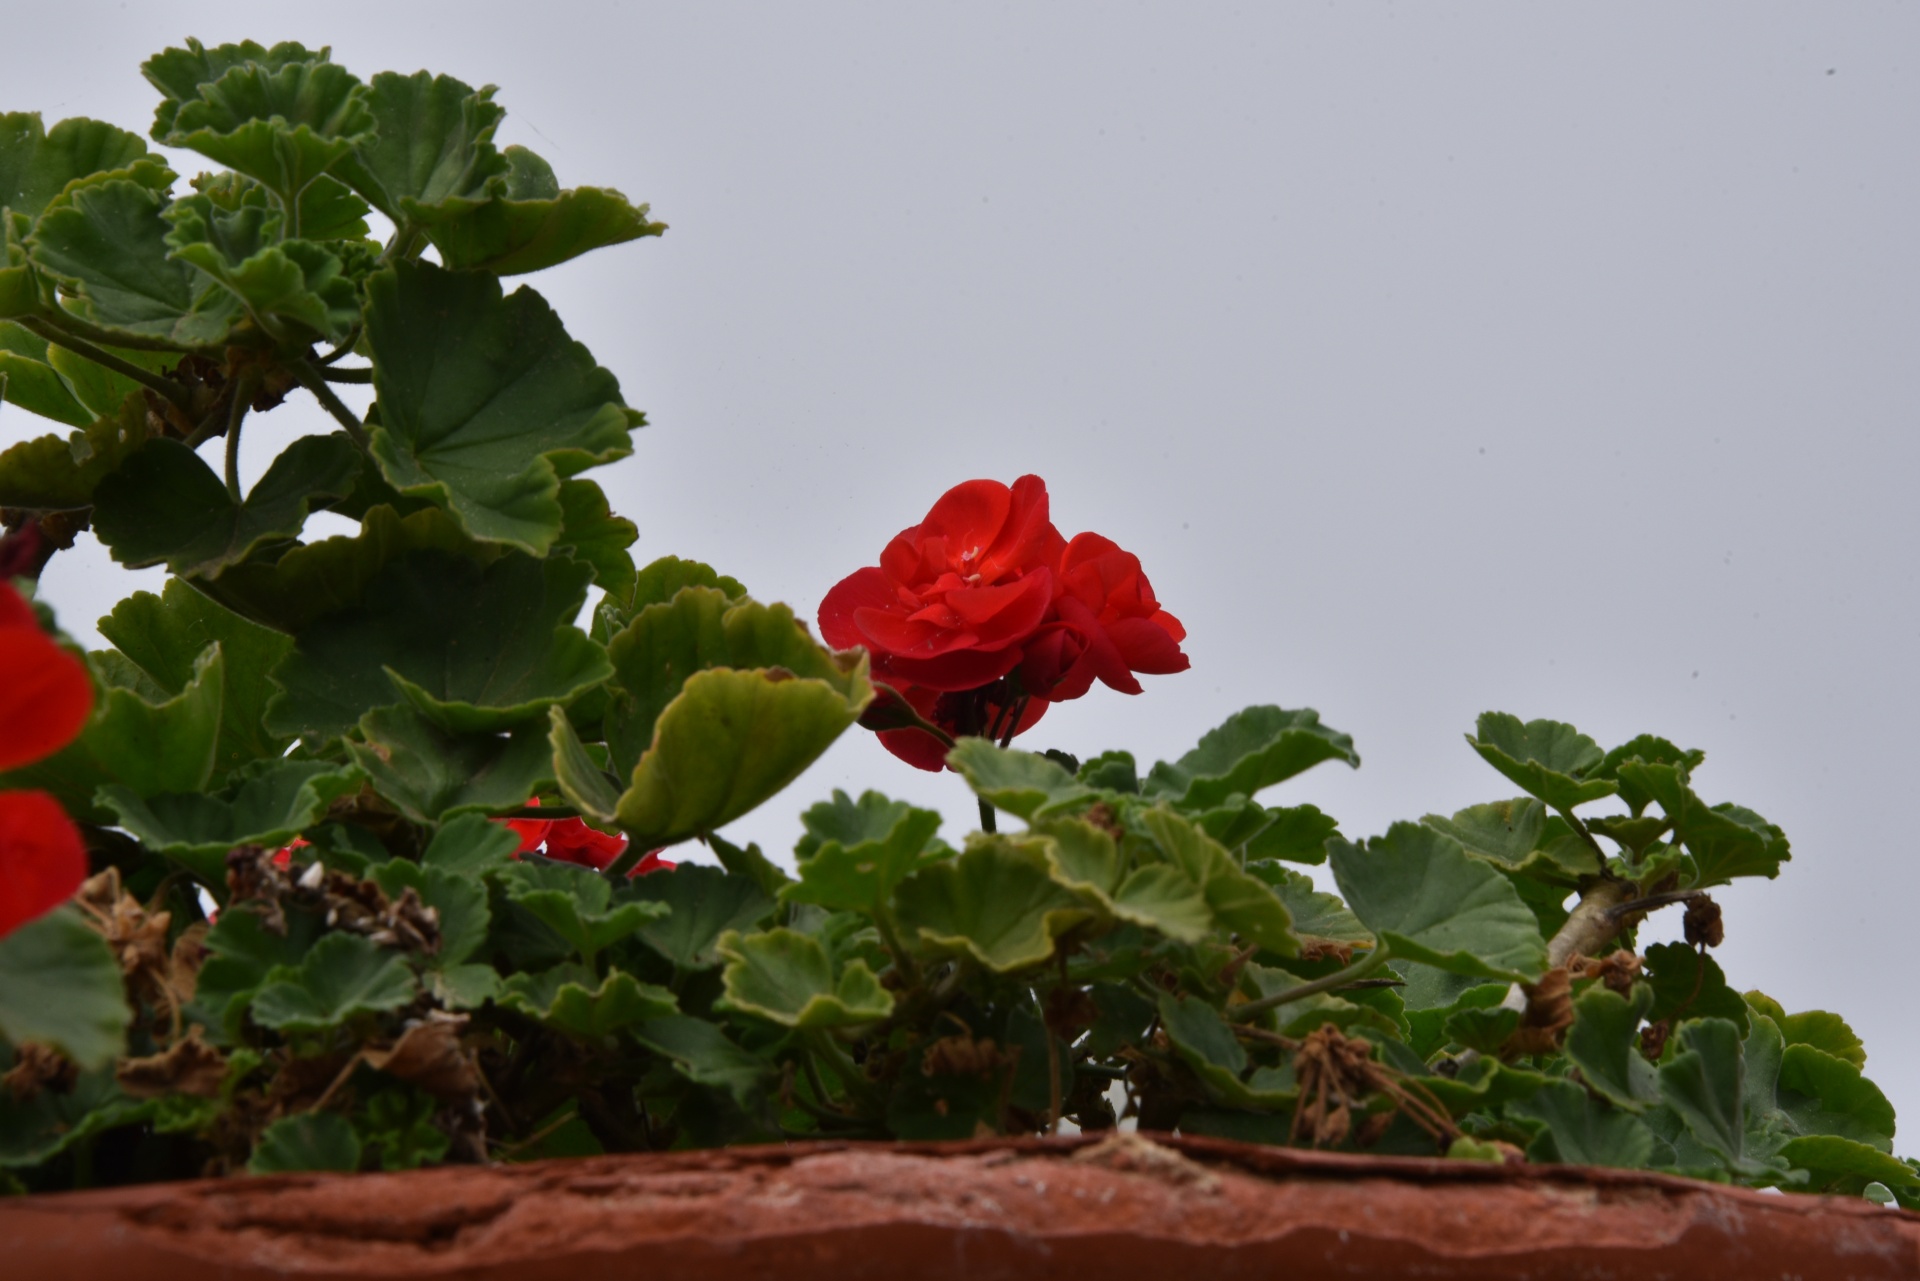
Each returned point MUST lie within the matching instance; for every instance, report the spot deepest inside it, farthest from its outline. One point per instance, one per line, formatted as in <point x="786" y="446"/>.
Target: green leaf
<point x="328" y="209"/>
<point x="1818" y="1028"/>
<point x="1485" y="1086"/>
<point x="327" y="577"/>
<point x="36" y="163"/>
<point x="1704" y="1085"/>
<point x="464" y="987"/>
<point x="724" y="704"/>
<point x="147" y="747"/>
<point x="861" y="876"/>
<point x="1689" y="984"/>
<point x="342" y="975"/>
<point x="431" y="774"/>
<point x="243" y="955"/>
<point x="60" y="473"/>
<point x="1509" y="835"/>
<point x="294" y="290"/>
<point x="179" y="74"/>
<point x="571" y="998"/>
<point x="1021" y="783"/>
<point x="107" y="243"/>
<point x="1483" y="1031"/>
<point x="267" y="805"/>
<point x="29" y="380"/>
<point x="164" y="635"/>
<point x="60" y="985"/>
<point x="1296" y="833"/>
<point x="99" y="390"/>
<point x="1161" y="897"/>
<point x="595" y="536"/>
<point x="165" y="505"/>
<point x="844" y="821"/>
<point x="1426" y="1024"/>
<point x="1652" y="750"/>
<point x="37" y="1129"/>
<point x="998" y="901"/>
<point x="586" y="786"/>
<point x="1583" y="1131"/>
<point x="1601" y="1044"/>
<point x="749" y="863"/>
<point x="1240" y="902"/>
<point x="458" y="899"/>
<point x="786" y="977"/>
<point x="1207" y="1044"/>
<point x="705" y="903"/>
<point x="1821" y="1094"/>
<point x="1547" y="759"/>
<point x="474" y="649"/>
<point x="1251" y="750"/>
<point x="485" y="403"/>
<point x="1111" y="772"/>
<point x="661" y="581"/>
<point x="510" y="236"/>
<point x="1299" y="1017"/>
<point x="470" y="845"/>
<point x="1427" y="900"/>
<point x="307" y="1142"/>
<point x="1085" y="858"/>
<point x="577" y="904"/>
<point x="702" y="1053"/>
<point x="1726" y="841"/>
<point x="433" y="142"/>
<point x="1843" y="1166"/>
<point x="1318" y="917"/>
<point x="281" y="126"/>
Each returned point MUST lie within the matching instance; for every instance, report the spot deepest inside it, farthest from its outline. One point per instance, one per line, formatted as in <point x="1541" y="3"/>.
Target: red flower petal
<point x="862" y="589"/>
<point x="571" y="841"/>
<point x="45" y="693"/>
<point x="42" y="858"/>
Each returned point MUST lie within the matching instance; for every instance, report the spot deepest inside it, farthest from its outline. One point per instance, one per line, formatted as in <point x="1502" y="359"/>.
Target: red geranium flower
<point x="46" y="696"/>
<point x="569" y="840"/>
<point x="981" y="615"/>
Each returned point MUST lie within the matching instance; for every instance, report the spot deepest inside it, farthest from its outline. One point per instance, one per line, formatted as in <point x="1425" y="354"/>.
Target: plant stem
<point x="986" y="816"/>
<point x="890" y="935"/>
<point x="68" y="323"/>
<point x="347" y="375"/>
<point x="347" y="344"/>
<point x="855" y="1081"/>
<point x="1655" y="900"/>
<point x="1339" y="978"/>
<point x="236" y="415"/>
<point x="310" y="379"/>
<point x="173" y="391"/>
<point x="1053" y="1067"/>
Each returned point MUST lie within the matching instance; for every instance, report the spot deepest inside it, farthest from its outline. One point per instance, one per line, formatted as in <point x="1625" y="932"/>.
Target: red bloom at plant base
<point x="45" y="698"/>
<point x="982" y="614"/>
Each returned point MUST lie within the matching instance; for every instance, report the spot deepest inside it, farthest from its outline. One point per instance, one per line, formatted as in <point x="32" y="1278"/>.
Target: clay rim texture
<point x="1114" y="1207"/>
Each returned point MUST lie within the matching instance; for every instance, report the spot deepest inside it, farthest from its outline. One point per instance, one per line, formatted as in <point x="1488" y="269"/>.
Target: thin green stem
<point x="333" y="375"/>
<point x="310" y="379"/>
<point x="173" y="391"/>
<point x="1339" y="978"/>
<point x="890" y="936"/>
<point x="986" y="816"/>
<point x="347" y="344"/>
<point x="236" y="415"/>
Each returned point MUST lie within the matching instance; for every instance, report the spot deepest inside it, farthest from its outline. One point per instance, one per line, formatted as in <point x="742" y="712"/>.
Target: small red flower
<point x="568" y="840"/>
<point x="42" y="858"/>
<point x="46" y="694"/>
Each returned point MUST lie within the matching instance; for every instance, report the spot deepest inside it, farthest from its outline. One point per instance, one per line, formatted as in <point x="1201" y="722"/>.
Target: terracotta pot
<point x="1172" y="1209"/>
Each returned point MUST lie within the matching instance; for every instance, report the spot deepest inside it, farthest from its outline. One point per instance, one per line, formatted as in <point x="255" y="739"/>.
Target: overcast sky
<point x="1434" y="359"/>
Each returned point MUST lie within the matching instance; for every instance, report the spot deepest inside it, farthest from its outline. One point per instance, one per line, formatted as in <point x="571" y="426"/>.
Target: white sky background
<point x="1434" y="359"/>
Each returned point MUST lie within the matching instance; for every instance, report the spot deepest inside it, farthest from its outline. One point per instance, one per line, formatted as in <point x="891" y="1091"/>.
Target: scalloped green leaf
<point x="148" y="747"/>
<point x="29" y="380"/>
<point x="1648" y="749"/>
<point x="329" y="210"/>
<point x="60" y="985"/>
<point x="1704" y="1084"/>
<point x="282" y="126"/>
<point x="36" y="163"/>
<point x="1583" y="1131"/>
<point x="59" y="473"/>
<point x="1601" y="1043"/>
<point x="1240" y="902"/>
<point x="704" y="1055"/>
<point x="577" y="904"/>
<point x="433" y="142"/>
<point x="1318" y="917"/>
<point x="166" y="506"/>
<point x="661" y="580"/>
<point x="1297" y="833"/>
<point x="242" y="955"/>
<point x="179" y="73"/>
<point x="459" y="898"/>
<point x="1021" y="783"/>
<point x="786" y="977"/>
<point x="164" y="636"/>
<point x="101" y="391"/>
<point x="341" y="976"/>
<point x="1821" y="1029"/>
<point x="1725" y="840"/>
<point x="1690" y="984"/>
<point x="485" y="403"/>
<point x="1505" y="832"/>
<point x="1251" y="750"/>
<point x="860" y="876"/>
<point x="293" y="289"/>
<point x="998" y="901"/>
<point x="1548" y="759"/>
<point x="36" y="1129"/>
<point x="525" y="223"/>
<point x="308" y="582"/>
<point x="307" y="1142"/>
<point x="593" y="534"/>
<point x="471" y="845"/>
<point x="266" y="805"/>
<point x="1428" y="900"/>
<point x="1820" y="1094"/>
<point x="573" y="999"/>
<point x="431" y="774"/>
<point x="106" y="240"/>
<point x="473" y="648"/>
<point x="1207" y="1044"/>
<point x="704" y="903"/>
<point x="1843" y="1166"/>
<point x="1297" y="1018"/>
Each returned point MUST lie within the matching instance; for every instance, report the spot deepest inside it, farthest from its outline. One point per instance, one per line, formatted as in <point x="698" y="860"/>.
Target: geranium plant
<point x="349" y="852"/>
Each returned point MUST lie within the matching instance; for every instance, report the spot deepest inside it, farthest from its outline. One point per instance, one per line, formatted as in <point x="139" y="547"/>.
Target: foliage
<point x="374" y="821"/>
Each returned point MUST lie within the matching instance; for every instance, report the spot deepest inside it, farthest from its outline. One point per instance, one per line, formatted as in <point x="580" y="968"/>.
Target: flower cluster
<point x="45" y="699"/>
<point x="568" y="840"/>
<point x="982" y="615"/>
